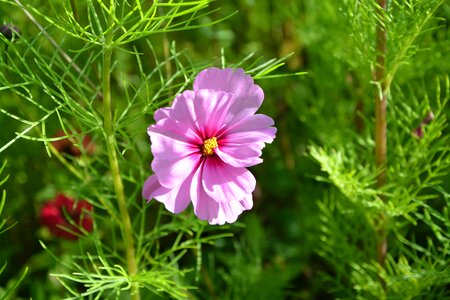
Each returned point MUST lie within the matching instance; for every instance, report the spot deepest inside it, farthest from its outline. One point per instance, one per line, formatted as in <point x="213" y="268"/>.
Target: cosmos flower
<point x="203" y="144"/>
<point x="64" y="217"/>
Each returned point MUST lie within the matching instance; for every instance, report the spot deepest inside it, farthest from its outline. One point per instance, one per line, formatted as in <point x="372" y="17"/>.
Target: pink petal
<point x="225" y="183"/>
<point x="251" y="130"/>
<point x="168" y="144"/>
<point x="211" y="110"/>
<point x="253" y="123"/>
<point x="172" y="171"/>
<point x="161" y="113"/>
<point x="175" y="130"/>
<point x="174" y="159"/>
<point x="194" y="116"/>
<point x="181" y="113"/>
<point x="206" y="208"/>
<point x="247" y="202"/>
<point x="240" y="144"/>
<point x="249" y="96"/>
<point x="182" y="110"/>
<point x="150" y="186"/>
<point x="175" y="199"/>
<point x="201" y="112"/>
<point x="257" y="137"/>
<point x="228" y="213"/>
<point x="239" y="155"/>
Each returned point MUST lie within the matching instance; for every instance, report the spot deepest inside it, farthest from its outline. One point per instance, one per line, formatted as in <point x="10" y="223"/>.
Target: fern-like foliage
<point x="415" y="197"/>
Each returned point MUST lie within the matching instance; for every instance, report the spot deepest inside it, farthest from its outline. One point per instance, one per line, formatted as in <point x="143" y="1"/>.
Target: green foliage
<point x="418" y="164"/>
<point x="244" y="274"/>
<point x="6" y="292"/>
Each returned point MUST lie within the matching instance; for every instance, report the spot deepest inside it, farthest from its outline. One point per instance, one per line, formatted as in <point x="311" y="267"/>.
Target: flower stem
<point x="112" y="153"/>
<point x="381" y="125"/>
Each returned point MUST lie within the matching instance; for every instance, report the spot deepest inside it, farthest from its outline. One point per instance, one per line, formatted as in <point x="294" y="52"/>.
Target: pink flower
<point x="64" y="217"/>
<point x="203" y="144"/>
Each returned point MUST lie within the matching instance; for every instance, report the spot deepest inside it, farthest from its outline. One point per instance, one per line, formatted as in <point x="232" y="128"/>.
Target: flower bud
<point x="418" y="132"/>
<point x="10" y="31"/>
<point x="67" y="145"/>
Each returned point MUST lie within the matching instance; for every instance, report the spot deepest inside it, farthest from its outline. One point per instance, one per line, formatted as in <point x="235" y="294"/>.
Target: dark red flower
<point x="64" y="217"/>
<point x="67" y="145"/>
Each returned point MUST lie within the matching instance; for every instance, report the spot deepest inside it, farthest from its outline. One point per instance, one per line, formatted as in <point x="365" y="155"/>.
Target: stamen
<point x="208" y="146"/>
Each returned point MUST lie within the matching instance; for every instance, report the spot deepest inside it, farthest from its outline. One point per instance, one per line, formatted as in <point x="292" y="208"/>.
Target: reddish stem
<point x="381" y="126"/>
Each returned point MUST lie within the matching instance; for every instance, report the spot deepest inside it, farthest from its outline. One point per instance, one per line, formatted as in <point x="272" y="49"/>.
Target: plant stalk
<point x="380" y="101"/>
<point x="381" y="125"/>
<point x="108" y="126"/>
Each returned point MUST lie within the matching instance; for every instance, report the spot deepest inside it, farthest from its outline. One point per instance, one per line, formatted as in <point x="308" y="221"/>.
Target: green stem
<point x="112" y="153"/>
<point x="381" y="127"/>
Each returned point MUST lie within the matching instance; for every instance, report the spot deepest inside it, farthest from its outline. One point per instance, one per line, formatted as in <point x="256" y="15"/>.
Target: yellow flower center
<point x="208" y="146"/>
